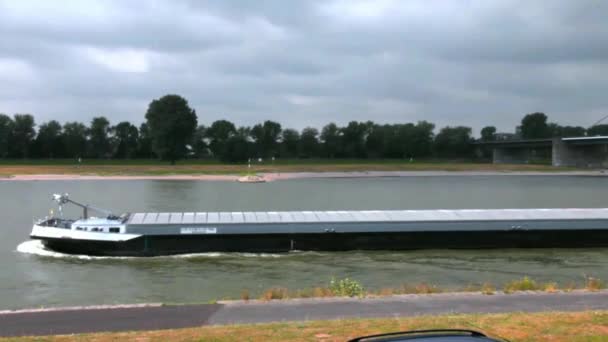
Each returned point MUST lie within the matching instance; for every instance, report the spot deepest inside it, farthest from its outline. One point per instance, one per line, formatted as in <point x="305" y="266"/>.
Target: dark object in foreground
<point x="447" y="335"/>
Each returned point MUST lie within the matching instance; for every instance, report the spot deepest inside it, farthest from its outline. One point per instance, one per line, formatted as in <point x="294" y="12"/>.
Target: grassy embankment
<point x="202" y="167"/>
<point x="351" y="288"/>
<point x="547" y="326"/>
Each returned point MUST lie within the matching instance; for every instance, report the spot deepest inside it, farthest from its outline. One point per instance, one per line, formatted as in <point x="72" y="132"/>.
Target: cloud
<point x="121" y="60"/>
<point x="307" y="63"/>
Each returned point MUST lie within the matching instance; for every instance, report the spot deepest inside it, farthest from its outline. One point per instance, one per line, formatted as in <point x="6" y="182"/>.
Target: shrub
<point x="551" y="287"/>
<point x="346" y="287"/>
<point x="524" y="284"/>
<point x="488" y="289"/>
<point x="594" y="284"/>
<point x="275" y="293"/>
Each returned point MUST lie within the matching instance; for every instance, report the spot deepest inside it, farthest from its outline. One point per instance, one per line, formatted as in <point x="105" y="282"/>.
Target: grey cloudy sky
<point x="306" y="63"/>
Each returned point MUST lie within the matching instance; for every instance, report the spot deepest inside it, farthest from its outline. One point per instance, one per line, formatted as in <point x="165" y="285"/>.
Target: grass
<point x="342" y="288"/>
<point x="546" y="326"/>
<point x="275" y="293"/>
<point x="205" y="167"/>
<point x="351" y="288"/>
<point x="594" y="284"/>
<point x="523" y="284"/>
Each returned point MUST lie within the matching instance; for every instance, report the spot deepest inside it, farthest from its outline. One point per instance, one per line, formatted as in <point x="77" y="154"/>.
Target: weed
<point x="322" y="292"/>
<point x="524" y="284"/>
<point x="422" y="288"/>
<point x="569" y="287"/>
<point x="275" y="293"/>
<point x="550" y="287"/>
<point x="346" y="287"/>
<point x="386" y="291"/>
<point x="488" y="289"/>
<point x="594" y="284"/>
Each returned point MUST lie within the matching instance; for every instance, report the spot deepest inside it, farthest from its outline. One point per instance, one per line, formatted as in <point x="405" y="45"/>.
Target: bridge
<point x="587" y="152"/>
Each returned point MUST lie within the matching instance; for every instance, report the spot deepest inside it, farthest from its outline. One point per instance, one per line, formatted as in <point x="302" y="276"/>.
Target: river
<point x="32" y="277"/>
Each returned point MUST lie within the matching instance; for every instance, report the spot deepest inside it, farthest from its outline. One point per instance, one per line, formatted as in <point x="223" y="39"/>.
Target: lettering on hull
<point x="198" y="230"/>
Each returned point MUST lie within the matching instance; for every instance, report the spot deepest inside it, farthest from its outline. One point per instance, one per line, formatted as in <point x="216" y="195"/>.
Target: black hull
<point x="272" y="243"/>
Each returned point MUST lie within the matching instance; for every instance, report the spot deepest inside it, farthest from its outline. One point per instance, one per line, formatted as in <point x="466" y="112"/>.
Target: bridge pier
<point x="583" y="152"/>
<point x="572" y="155"/>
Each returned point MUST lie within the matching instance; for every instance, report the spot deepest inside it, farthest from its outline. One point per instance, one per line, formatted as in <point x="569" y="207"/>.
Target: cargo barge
<point x="152" y="234"/>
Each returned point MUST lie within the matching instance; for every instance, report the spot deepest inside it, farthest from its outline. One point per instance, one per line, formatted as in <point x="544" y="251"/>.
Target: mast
<point x="63" y="199"/>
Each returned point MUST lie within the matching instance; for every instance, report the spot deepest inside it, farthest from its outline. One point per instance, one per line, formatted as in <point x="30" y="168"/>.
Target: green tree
<point x="422" y="143"/>
<point x="171" y="123"/>
<point x="22" y="136"/>
<point x="409" y="140"/>
<point x="398" y="140"/>
<point x="99" y="138"/>
<point x="571" y="131"/>
<point x="218" y="134"/>
<point x="454" y="142"/>
<point x="598" y="130"/>
<point x="290" y="143"/>
<point x="126" y="138"/>
<point x="353" y="139"/>
<point x="375" y="143"/>
<point x="237" y="147"/>
<point x="144" y="142"/>
<point x="199" y="142"/>
<point x="6" y="130"/>
<point x="49" y="141"/>
<point x="487" y="133"/>
<point x="265" y="137"/>
<point x="534" y="126"/>
<point x="74" y="139"/>
<point x="309" y="142"/>
<point x="330" y="137"/>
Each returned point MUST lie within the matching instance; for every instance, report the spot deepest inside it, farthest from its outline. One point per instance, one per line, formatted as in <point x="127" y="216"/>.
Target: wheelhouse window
<point x="114" y="230"/>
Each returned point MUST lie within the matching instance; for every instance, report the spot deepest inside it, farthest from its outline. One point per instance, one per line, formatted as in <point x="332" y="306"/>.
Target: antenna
<point x="63" y="199"/>
<point x="600" y="120"/>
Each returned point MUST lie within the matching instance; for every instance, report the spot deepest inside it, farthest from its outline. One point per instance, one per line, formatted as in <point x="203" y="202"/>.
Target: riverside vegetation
<point x="351" y="288"/>
<point x="170" y="131"/>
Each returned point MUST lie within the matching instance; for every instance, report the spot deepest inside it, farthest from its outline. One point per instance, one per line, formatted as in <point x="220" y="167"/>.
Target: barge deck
<point x="148" y="234"/>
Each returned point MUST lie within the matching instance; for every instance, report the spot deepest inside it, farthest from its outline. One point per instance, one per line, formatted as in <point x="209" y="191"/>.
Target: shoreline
<point x="276" y="176"/>
<point x="313" y="300"/>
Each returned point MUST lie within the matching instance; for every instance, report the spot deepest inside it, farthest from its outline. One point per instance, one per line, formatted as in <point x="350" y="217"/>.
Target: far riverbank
<point x="279" y="169"/>
<point x="274" y="176"/>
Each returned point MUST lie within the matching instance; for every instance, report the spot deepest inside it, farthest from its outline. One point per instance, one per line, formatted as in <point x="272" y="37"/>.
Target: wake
<point x="35" y="247"/>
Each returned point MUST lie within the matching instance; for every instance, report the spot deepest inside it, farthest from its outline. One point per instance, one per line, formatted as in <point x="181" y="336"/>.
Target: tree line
<point x="171" y="132"/>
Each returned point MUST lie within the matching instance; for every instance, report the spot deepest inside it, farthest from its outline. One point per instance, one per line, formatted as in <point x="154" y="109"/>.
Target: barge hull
<point x="157" y="245"/>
